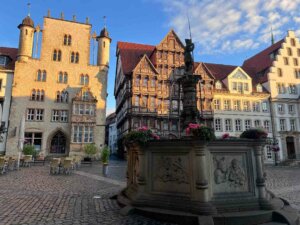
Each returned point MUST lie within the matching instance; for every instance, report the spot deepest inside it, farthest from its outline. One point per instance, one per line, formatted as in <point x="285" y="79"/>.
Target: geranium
<point x="140" y="136"/>
<point x="225" y="136"/>
<point x="255" y="133"/>
<point x="200" y="131"/>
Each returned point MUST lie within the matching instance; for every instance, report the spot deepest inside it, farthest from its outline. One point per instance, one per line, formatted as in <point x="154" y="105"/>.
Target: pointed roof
<point x="261" y="62"/>
<point x="175" y="35"/>
<point x="12" y="54"/>
<point x="27" y="21"/>
<point x="131" y="54"/>
<point x="146" y="58"/>
<point x="219" y="71"/>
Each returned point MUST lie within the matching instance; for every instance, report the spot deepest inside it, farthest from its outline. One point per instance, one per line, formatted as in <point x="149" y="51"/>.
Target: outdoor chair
<point x="12" y="163"/>
<point x="77" y="162"/>
<point x="54" y="166"/>
<point x="3" y="165"/>
<point x="67" y="166"/>
<point x="27" y="160"/>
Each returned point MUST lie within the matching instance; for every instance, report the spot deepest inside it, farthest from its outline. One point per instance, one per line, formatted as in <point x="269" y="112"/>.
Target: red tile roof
<point x="12" y="53"/>
<point x="131" y="54"/>
<point x="261" y="62"/>
<point x="219" y="71"/>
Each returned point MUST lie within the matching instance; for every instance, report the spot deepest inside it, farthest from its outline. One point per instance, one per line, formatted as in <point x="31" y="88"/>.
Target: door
<point x="58" y="143"/>
<point x="290" y="146"/>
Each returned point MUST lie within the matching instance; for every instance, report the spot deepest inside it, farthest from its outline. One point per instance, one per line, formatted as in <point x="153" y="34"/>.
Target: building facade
<point x="61" y="94"/>
<point x="111" y="133"/>
<point x="8" y="57"/>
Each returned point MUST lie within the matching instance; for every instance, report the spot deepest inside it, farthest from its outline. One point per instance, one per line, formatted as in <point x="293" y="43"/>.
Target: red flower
<point x="143" y="128"/>
<point x="225" y="136"/>
<point x="156" y="137"/>
<point x="188" y="131"/>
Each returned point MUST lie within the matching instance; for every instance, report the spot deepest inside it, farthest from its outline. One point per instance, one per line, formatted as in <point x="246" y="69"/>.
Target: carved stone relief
<point x="229" y="174"/>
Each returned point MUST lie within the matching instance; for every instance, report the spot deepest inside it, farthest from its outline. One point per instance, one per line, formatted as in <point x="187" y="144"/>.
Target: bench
<point x="36" y="161"/>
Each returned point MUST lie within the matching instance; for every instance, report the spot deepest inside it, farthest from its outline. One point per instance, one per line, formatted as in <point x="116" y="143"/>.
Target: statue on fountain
<point x="188" y="58"/>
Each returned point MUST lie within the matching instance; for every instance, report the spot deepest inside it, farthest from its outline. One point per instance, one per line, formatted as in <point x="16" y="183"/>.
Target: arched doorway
<point x="290" y="147"/>
<point x="58" y="143"/>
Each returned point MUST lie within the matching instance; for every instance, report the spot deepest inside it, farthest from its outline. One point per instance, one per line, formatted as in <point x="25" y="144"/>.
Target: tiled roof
<point x="131" y="53"/>
<point x="219" y="71"/>
<point x="12" y="53"/>
<point x="261" y="62"/>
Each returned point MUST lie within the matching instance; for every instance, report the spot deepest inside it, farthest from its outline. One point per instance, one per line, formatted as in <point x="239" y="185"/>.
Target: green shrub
<point x="90" y="149"/>
<point x="254" y="133"/>
<point x="105" y="155"/>
<point x="29" y="150"/>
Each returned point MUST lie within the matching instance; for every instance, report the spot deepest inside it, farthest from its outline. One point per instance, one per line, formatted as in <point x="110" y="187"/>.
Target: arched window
<point x="65" y="39"/>
<point x="33" y="95"/>
<point x="44" y="75"/>
<point x="72" y="57"/>
<point x="77" y="57"/>
<point x="218" y="85"/>
<point x="54" y="55"/>
<point x="39" y="75"/>
<point x="85" y="95"/>
<point x="82" y="79"/>
<point x="64" y="96"/>
<point x="65" y="77"/>
<point x="103" y="44"/>
<point x="42" y="95"/>
<point x="69" y="40"/>
<point x="259" y="88"/>
<point x="58" y="96"/>
<point x="38" y="95"/>
<point x="60" y="77"/>
<point x="86" y="79"/>
<point x="59" y="55"/>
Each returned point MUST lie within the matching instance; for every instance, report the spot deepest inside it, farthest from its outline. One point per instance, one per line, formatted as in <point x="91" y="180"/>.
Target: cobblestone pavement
<point x="32" y="196"/>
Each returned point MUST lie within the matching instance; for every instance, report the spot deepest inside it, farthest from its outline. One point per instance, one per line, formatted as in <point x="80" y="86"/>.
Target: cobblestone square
<point x="32" y="196"/>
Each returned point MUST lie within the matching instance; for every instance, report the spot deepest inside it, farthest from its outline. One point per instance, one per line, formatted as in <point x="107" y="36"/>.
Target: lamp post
<point x="275" y="149"/>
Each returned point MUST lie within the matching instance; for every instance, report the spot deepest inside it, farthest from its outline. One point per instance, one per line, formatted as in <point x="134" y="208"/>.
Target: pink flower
<point x="194" y="125"/>
<point x="225" y="136"/>
<point x="143" y="128"/>
<point x="188" y="131"/>
<point x="156" y="137"/>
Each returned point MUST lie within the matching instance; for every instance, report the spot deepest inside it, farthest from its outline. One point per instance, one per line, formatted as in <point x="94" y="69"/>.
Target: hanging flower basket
<point x="141" y="136"/>
<point x="256" y="133"/>
<point x="200" y="132"/>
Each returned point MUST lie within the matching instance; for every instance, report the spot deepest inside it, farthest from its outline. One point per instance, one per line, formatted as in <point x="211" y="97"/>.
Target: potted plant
<point x="104" y="159"/>
<point x="29" y="150"/>
<point x="200" y="132"/>
<point x="141" y="136"/>
<point x="254" y="133"/>
<point x="90" y="150"/>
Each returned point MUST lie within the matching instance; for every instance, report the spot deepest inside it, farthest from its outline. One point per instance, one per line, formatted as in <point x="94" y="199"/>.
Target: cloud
<point x="231" y="26"/>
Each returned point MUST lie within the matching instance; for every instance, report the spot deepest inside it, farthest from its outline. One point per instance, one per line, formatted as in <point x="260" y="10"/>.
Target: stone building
<point x="277" y="68"/>
<point x="8" y="57"/>
<point x="111" y="133"/>
<point x="145" y="92"/>
<point x="61" y="94"/>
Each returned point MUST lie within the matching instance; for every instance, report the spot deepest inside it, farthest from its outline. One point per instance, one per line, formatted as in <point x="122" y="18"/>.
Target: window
<point x="145" y="82"/>
<point x="3" y="60"/>
<point x="60" y="77"/>
<point x="175" y="105"/>
<point x="165" y="125"/>
<point x="218" y="125"/>
<point x="41" y="75"/>
<point x="152" y="102"/>
<point x="56" y="55"/>
<point x="69" y="40"/>
<point x="136" y="100"/>
<point x="84" y="79"/>
<point x="281" y="88"/>
<point x="297" y="73"/>
<point x="256" y="107"/>
<point x="257" y="123"/>
<point x="282" y="124"/>
<point x="279" y="72"/>
<point x="77" y="57"/>
<point x="295" y="61"/>
<point x="59" y="116"/>
<point x="280" y="108"/>
<point x="37" y="95"/>
<point x="74" y="57"/>
<point x="286" y="61"/>
<point x="246" y="87"/>
<point x="289" y="51"/>
<point x="83" y="134"/>
<point x="247" y="124"/>
<point x="65" y="39"/>
<point x="136" y="84"/>
<point x="267" y="125"/>
<point x="227" y="104"/>
<point x="293" y="43"/>
<point x="218" y="85"/>
<point x="153" y="82"/>
<point x="292" y="89"/>
<point x="62" y="97"/>
<point x="85" y="96"/>
<point x="34" y="139"/>
<point x="174" y="126"/>
<point x="269" y="152"/>
<point x="238" y="125"/>
<point x="240" y="87"/>
<point x="35" y="114"/>
<point x="291" y="109"/>
<point x="228" y="125"/>
<point x="264" y="106"/>
<point x="293" y="124"/>
<point x="217" y="104"/>
<point x="246" y="106"/>
<point x="234" y="86"/>
<point x="237" y="105"/>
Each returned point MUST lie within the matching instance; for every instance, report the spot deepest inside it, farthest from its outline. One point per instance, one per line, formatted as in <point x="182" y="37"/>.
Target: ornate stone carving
<point x="172" y="169"/>
<point x="229" y="174"/>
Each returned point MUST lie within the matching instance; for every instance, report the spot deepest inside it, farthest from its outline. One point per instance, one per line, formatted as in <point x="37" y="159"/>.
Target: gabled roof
<point x="175" y="35"/>
<point x="12" y="54"/>
<point x="145" y="57"/>
<point x="131" y="54"/>
<point x="261" y="62"/>
<point x="219" y="71"/>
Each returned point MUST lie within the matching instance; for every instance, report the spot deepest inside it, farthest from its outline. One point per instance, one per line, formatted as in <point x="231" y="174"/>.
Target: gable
<point x="145" y="66"/>
<point x="200" y="69"/>
<point x="171" y="41"/>
<point x="239" y="74"/>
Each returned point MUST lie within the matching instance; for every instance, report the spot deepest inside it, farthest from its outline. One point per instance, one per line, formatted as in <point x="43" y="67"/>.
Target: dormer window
<point x="3" y="60"/>
<point x="259" y="88"/>
<point x="218" y="85"/>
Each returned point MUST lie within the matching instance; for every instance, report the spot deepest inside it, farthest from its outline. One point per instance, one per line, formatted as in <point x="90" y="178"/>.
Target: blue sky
<point x="224" y="31"/>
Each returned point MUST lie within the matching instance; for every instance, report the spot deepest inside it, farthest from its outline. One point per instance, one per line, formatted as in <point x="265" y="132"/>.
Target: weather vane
<point x="28" y="5"/>
<point x="104" y="18"/>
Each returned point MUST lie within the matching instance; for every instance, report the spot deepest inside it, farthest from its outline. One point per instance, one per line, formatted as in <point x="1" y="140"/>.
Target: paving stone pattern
<point x="33" y="197"/>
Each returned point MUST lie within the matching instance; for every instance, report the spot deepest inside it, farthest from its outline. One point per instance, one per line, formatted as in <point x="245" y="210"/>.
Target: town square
<point x="150" y="112"/>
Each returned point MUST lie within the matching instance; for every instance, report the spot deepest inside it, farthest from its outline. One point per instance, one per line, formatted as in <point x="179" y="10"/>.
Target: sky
<point x="224" y="31"/>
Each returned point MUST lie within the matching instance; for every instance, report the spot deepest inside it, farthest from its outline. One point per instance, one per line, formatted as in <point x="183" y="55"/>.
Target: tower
<point x="26" y="39"/>
<point x="103" y="48"/>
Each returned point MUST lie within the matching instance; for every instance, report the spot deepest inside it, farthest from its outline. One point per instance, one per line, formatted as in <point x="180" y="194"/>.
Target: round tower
<point x="26" y="39"/>
<point x="103" y="48"/>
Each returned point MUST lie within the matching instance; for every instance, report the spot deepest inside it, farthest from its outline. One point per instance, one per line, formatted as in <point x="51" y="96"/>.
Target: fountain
<point x="190" y="181"/>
